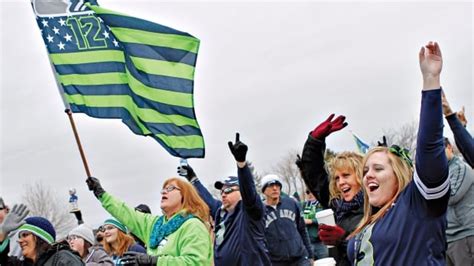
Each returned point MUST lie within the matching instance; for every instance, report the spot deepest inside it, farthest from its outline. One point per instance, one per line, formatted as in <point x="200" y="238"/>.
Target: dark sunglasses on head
<point x="229" y="190"/>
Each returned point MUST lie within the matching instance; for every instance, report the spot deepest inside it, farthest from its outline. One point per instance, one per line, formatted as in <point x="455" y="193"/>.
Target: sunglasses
<point x="101" y="229"/>
<point x="308" y="192"/>
<point x="24" y="234"/>
<point x="169" y="188"/>
<point x="228" y="190"/>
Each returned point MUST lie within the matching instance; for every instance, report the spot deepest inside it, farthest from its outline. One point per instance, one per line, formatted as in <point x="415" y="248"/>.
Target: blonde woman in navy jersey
<point x="405" y="206"/>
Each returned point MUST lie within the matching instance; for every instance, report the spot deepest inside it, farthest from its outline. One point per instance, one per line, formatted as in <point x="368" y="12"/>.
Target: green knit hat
<point x="117" y="224"/>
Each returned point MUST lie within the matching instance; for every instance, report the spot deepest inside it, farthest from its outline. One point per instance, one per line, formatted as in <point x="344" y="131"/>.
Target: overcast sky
<point x="270" y="71"/>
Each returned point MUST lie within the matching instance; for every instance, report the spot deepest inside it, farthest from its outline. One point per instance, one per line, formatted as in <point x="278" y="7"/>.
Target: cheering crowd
<point x="388" y="208"/>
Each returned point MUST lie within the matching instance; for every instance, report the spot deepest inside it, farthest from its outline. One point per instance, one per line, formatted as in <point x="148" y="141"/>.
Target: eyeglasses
<point x="169" y="188"/>
<point x="72" y="237"/>
<point x="228" y="190"/>
<point x="24" y="234"/>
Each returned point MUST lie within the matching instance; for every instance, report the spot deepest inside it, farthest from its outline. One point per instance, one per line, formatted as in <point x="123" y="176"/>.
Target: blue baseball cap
<point x="230" y="181"/>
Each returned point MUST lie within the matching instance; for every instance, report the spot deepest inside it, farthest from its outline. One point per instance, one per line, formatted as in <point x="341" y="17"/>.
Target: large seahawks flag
<point x="111" y="65"/>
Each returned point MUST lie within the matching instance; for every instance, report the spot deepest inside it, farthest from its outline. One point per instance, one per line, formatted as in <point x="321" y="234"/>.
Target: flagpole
<point x="71" y="120"/>
<point x="78" y="141"/>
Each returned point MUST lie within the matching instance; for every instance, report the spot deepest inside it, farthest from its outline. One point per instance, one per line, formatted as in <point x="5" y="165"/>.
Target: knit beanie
<point x="269" y="180"/>
<point x="40" y="227"/>
<point x="117" y="224"/>
<point x="84" y="232"/>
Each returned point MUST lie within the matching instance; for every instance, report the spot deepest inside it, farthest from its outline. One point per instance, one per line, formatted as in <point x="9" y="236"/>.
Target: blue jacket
<point x="285" y="232"/>
<point x="412" y="232"/>
<point x="463" y="139"/>
<point x="239" y="234"/>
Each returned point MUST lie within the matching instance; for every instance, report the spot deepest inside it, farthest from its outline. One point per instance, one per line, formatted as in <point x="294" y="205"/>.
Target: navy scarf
<point x="343" y="207"/>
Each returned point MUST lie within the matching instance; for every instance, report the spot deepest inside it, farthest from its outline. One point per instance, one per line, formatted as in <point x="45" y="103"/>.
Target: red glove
<point x="331" y="235"/>
<point x="328" y="126"/>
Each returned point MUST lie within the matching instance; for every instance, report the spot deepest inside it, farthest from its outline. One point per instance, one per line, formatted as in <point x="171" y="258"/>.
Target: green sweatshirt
<point x="189" y="245"/>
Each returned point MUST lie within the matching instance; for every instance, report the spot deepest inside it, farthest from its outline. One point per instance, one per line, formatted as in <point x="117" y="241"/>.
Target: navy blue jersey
<point x="412" y="232"/>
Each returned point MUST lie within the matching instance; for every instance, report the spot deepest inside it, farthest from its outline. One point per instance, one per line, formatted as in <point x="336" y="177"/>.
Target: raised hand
<point x="327" y="127"/>
<point x="238" y="149"/>
<point x="431" y="63"/>
<point x="186" y="171"/>
<point x="94" y="185"/>
<point x="462" y="117"/>
<point x="383" y="143"/>
<point x="14" y="219"/>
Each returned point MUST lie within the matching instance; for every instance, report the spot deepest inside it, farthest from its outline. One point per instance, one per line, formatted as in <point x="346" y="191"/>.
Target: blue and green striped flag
<point x="110" y="65"/>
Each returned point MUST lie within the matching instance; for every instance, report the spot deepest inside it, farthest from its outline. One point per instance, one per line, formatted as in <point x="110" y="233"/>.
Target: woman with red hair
<point x="181" y="236"/>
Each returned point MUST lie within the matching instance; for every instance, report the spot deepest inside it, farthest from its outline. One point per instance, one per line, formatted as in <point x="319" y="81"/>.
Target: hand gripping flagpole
<point x="71" y="120"/>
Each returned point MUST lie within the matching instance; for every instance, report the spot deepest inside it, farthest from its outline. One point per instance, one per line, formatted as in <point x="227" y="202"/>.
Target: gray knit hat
<point x="84" y="232"/>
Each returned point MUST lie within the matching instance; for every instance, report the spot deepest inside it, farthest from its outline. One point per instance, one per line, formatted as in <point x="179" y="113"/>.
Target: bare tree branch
<point x="43" y="201"/>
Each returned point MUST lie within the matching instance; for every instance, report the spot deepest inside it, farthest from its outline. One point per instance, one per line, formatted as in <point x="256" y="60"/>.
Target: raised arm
<point x="188" y="172"/>
<point x="463" y="139"/>
<point x="312" y="164"/>
<point x="252" y="203"/>
<point x="431" y="175"/>
<point x="138" y="223"/>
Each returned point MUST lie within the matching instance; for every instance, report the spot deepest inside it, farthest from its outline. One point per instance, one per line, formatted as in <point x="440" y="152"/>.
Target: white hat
<point x="269" y="180"/>
<point x="84" y="232"/>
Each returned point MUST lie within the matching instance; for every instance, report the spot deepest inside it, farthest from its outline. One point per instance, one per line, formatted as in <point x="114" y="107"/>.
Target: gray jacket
<point x="98" y="256"/>
<point x="461" y="202"/>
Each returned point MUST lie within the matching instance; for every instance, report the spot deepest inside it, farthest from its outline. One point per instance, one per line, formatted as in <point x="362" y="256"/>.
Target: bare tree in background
<point x="43" y="201"/>
<point x="403" y="136"/>
<point x="289" y="173"/>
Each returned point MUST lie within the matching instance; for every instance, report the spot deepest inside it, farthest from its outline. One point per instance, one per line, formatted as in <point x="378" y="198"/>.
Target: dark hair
<point x="87" y="245"/>
<point x="41" y="246"/>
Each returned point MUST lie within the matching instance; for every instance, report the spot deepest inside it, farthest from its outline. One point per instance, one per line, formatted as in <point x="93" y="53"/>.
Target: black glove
<point x="136" y="258"/>
<point x="383" y="143"/>
<point x="94" y="185"/>
<point x="238" y="149"/>
<point x="299" y="162"/>
<point x="186" y="171"/>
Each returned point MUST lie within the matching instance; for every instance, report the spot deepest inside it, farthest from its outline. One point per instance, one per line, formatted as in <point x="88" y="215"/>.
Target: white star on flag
<point x="61" y="45"/>
<point x="62" y="22"/>
<point x="45" y="23"/>
<point x="106" y="34"/>
<point x="115" y="43"/>
<point x="68" y="37"/>
<point x="56" y="30"/>
<point x="50" y="38"/>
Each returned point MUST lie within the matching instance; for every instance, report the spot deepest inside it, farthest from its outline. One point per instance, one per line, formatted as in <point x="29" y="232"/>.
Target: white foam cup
<point x="326" y="217"/>
<point x="325" y="262"/>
